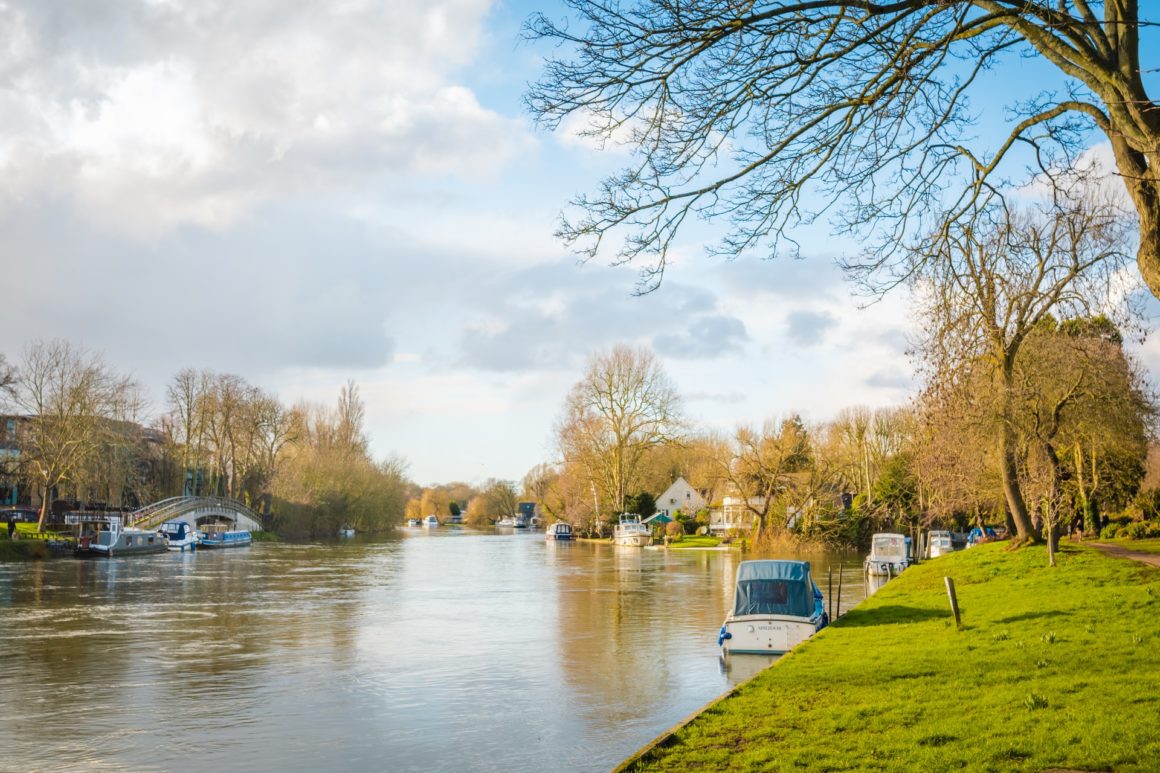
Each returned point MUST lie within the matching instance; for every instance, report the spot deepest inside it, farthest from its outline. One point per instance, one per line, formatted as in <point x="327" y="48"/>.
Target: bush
<point x="674" y="529"/>
<point x="1110" y="531"/>
<point x="1142" y="530"/>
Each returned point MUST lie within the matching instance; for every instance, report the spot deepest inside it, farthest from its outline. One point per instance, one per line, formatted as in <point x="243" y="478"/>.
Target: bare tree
<point x="72" y="401"/>
<point x="623" y="406"/>
<point x="771" y="114"/>
<point x="988" y="283"/>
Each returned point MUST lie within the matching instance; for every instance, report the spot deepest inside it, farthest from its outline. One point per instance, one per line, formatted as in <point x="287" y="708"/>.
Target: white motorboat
<point x="776" y="606"/>
<point x="939" y="543"/>
<point x="559" y="531"/>
<point x="430" y="522"/>
<point x="346" y="531"/>
<point x="413" y="523"/>
<point x="631" y="532"/>
<point x="179" y="535"/>
<point x="506" y="522"/>
<point x="889" y="554"/>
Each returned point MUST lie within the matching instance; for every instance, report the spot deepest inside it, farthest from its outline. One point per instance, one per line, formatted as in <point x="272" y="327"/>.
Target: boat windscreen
<point x="773" y="597"/>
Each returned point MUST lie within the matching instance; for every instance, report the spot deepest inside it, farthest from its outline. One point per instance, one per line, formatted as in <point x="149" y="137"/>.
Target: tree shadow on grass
<point x="1034" y="615"/>
<point x="892" y="615"/>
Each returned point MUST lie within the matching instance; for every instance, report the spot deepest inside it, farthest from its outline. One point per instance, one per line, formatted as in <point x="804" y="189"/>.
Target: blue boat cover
<point x="775" y="588"/>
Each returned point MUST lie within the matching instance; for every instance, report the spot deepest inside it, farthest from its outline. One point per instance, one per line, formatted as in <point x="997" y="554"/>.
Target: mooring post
<point x="839" y="606"/>
<point x="830" y="591"/>
<point x="954" y="601"/>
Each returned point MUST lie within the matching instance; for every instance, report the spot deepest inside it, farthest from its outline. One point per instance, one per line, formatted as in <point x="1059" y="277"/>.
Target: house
<point x="734" y="515"/>
<point x="680" y="496"/>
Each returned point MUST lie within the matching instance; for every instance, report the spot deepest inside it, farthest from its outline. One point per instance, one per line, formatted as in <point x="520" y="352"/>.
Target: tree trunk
<point x="44" y="505"/>
<point x="1012" y="492"/>
<point x="1148" y="254"/>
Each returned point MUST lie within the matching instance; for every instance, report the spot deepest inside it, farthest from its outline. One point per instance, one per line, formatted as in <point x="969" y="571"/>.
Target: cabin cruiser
<point x="559" y="531"/>
<point x="630" y="531"/>
<point x="889" y="554"/>
<point x="776" y="606"/>
<point x="506" y="522"/>
<point x="346" y="531"/>
<point x="413" y="523"/>
<point x="225" y="538"/>
<point x="430" y="522"/>
<point x="179" y="535"/>
<point x="939" y="543"/>
<point x="121" y="541"/>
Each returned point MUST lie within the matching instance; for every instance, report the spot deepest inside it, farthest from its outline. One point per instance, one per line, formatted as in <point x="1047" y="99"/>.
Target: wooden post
<point x="954" y="601"/>
<point x="830" y="592"/>
<point x="838" y="608"/>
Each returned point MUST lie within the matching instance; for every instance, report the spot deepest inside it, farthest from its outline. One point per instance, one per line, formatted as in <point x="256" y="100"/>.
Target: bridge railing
<point x="154" y="515"/>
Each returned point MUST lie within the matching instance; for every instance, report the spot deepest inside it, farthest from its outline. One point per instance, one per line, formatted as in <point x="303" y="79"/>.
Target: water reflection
<point x="439" y="650"/>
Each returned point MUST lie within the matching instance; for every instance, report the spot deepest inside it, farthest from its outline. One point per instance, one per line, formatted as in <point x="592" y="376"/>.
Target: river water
<point x="455" y="651"/>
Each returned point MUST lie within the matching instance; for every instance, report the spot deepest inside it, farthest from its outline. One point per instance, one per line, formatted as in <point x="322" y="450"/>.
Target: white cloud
<point x="178" y="113"/>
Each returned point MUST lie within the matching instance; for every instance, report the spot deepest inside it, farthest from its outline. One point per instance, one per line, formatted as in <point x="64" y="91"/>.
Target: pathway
<point x="1122" y="552"/>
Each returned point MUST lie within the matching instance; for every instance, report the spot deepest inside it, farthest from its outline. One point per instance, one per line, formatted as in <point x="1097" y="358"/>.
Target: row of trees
<point x="80" y="432"/>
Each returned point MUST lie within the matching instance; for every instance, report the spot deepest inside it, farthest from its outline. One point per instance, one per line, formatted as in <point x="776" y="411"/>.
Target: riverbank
<point x="1053" y="668"/>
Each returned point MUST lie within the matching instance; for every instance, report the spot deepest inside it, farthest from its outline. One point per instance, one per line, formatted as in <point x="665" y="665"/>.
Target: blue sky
<point x="313" y="192"/>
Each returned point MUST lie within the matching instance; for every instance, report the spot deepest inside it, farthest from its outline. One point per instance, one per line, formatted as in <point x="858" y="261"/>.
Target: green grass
<point x="1054" y="668"/>
<point x="264" y="536"/>
<point x="696" y="541"/>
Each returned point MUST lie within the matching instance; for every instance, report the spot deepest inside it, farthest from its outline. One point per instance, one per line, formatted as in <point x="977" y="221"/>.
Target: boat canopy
<point x="774" y="588"/>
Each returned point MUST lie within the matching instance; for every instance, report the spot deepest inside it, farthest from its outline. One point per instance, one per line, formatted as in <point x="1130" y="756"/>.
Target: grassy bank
<point x="1054" y="668"/>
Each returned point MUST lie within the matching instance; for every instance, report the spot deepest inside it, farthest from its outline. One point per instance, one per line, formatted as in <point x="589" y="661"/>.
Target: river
<point x="455" y="650"/>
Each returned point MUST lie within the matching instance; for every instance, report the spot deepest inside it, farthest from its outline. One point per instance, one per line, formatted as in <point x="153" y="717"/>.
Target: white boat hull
<point x="632" y="540"/>
<point x="766" y="634"/>
<point x="884" y="568"/>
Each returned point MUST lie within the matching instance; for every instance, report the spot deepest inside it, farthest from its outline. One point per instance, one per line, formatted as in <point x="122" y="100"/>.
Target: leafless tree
<point x="987" y="283"/>
<point x="771" y="114"/>
<point x="72" y="402"/>
<point x="623" y="406"/>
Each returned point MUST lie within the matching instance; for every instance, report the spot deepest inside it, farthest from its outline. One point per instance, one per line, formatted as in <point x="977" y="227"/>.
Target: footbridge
<point x="196" y="511"/>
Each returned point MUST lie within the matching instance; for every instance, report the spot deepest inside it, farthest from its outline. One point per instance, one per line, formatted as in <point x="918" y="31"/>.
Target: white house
<point x="734" y="515"/>
<point x="680" y="496"/>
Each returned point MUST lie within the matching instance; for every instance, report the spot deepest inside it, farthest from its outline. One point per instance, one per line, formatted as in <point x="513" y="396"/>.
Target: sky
<point x="313" y="192"/>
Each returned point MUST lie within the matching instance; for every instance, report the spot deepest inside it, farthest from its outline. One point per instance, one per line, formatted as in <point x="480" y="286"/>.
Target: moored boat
<point x="939" y="543"/>
<point x="889" y="554"/>
<point x="430" y="522"/>
<point x="776" y="606"/>
<point x="119" y="541"/>
<point x="631" y="532"/>
<point x="346" y="531"/>
<point x="179" y="535"/>
<point x="239" y="538"/>
<point x="413" y="523"/>
<point x="559" y="531"/>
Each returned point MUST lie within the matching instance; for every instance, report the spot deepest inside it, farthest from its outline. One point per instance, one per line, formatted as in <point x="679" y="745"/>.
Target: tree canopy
<point x="770" y="114"/>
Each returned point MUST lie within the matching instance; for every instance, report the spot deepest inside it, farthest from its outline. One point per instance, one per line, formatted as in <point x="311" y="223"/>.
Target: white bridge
<point x="196" y="511"/>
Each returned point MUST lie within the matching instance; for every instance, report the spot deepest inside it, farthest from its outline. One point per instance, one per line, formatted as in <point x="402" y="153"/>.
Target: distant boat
<point x="239" y="538"/>
<point x="346" y="531"/>
<point x="776" y="606"/>
<point x="179" y="535"/>
<point x="939" y="543"/>
<point x="118" y="541"/>
<point x="413" y="522"/>
<point x="631" y="532"/>
<point x="430" y="522"/>
<point x="506" y="523"/>
<point x="889" y="554"/>
<point x="559" y="531"/>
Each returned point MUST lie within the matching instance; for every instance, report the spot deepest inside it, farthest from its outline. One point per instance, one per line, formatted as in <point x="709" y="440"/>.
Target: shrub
<point x="1141" y="530"/>
<point x="1110" y="531"/>
<point x="674" y="529"/>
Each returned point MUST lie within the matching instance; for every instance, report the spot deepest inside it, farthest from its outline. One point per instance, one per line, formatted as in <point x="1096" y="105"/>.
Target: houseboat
<point x="230" y="538"/>
<point x="117" y="540"/>
<point x="939" y="543"/>
<point x="430" y="522"/>
<point x="179" y="535"/>
<point x="631" y="532"/>
<point x="776" y="606"/>
<point x="559" y="532"/>
<point x="889" y="554"/>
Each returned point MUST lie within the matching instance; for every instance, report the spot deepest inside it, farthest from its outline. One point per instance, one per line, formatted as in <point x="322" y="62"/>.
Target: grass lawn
<point x="1054" y="668"/>
<point x="696" y="541"/>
